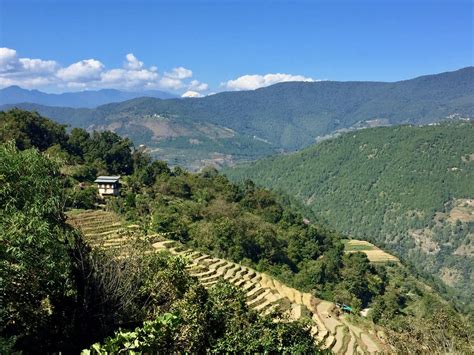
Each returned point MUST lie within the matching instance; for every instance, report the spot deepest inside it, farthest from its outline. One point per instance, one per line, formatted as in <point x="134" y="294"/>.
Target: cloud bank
<point x="92" y="74"/>
<point x="252" y="82"/>
<point x="85" y="74"/>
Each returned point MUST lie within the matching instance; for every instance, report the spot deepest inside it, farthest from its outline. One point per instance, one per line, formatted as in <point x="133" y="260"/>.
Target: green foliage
<point x="35" y="268"/>
<point x="360" y="281"/>
<point x="101" y="151"/>
<point x="382" y="185"/>
<point x="84" y="173"/>
<point x="154" y="336"/>
<point x="215" y="322"/>
<point x="248" y="225"/>
<point x="113" y="150"/>
<point x="430" y="328"/>
<point x="30" y="130"/>
<point x="83" y="198"/>
<point x="243" y="332"/>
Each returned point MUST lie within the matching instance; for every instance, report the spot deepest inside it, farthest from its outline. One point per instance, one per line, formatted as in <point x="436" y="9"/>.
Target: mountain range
<point x="233" y="126"/>
<point x="88" y="98"/>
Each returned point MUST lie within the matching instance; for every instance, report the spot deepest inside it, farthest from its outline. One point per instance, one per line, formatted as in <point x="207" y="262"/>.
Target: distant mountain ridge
<point x="282" y="117"/>
<point x="88" y="98"/>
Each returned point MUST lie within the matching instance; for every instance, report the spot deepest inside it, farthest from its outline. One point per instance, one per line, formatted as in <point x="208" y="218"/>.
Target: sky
<point x="196" y="48"/>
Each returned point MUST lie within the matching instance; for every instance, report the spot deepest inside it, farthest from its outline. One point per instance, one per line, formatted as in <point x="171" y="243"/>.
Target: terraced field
<point x="264" y="293"/>
<point x="374" y="254"/>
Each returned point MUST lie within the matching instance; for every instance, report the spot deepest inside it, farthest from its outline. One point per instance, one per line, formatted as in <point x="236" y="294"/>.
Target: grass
<point x="351" y="245"/>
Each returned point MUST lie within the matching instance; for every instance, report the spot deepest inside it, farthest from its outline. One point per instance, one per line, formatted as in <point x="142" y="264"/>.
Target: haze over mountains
<point x="88" y="98"/>
<point x="235" y="126"/>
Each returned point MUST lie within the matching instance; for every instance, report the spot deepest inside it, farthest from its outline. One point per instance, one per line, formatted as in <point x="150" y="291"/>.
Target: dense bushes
<point x="36" y="268"/>
<point x="217" y="321"/>
<point x="29" y="129"/>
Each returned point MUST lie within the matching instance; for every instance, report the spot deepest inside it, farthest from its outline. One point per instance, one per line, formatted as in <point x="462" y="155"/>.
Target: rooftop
<point x="107" y="179"/>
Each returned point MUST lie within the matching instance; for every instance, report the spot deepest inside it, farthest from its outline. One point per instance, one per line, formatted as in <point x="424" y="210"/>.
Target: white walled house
<point x="108" y="185"/>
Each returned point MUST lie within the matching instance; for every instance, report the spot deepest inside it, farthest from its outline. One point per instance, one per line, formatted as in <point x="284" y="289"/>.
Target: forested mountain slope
<point x="60" y="295"/>
<point x="408" y="189"/>
<point x="233" y="126"/>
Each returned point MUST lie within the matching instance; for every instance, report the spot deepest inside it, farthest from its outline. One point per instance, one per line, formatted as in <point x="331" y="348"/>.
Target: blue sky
<point x="209" y="46"/>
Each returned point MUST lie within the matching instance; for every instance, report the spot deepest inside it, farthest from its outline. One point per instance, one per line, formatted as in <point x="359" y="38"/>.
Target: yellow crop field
<point x="374" y="254"/>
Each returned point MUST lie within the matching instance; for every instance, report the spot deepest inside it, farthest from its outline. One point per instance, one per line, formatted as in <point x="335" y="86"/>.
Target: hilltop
<point x="239" y="126"/>
<point x="406" y="189"/>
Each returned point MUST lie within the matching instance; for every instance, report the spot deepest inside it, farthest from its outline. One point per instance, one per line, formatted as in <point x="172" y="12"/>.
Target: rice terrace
<point x="264" y="294"/>
<point x="375" y="255"/>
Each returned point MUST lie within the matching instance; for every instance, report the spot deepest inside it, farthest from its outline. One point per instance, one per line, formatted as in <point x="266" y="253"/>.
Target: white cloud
<point x="113" y="76"/>
<point x="38" y="65"/>
<point x="84" y="70"/>
<point x="8" y="59"/>
<point x="49" y="75"/>
<point x="11" y="64"/>
<point x="252" y="82"/>
<point x="128" y="78"/>
<point x="179" y="73"/>
<point x="132" y="62"/>
<point x="191" y="93"/>
<point x="195" y="85"/>
<point x="173" y="80"/>
<point x="25" y="82"/>
<point x="26" y="72"/>
<point x="76" y="86"/>
<point x="170" y="83"/>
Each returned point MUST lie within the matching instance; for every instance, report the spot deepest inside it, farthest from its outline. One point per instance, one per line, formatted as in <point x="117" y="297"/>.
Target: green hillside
<point x="62" y="294"/>
<point x="236" y="126"/>
<point x="409" y="190"/>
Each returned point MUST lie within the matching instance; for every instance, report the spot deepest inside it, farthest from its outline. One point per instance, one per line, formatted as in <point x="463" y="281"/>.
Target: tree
<point x="113" y="150"/>
<point x="29" y="129"/>
<point x="35" y="268"/>
<point x="79" y="141"/>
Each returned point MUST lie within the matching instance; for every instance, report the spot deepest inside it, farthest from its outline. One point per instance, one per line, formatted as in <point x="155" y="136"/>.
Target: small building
<point x="108" y="185"/>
